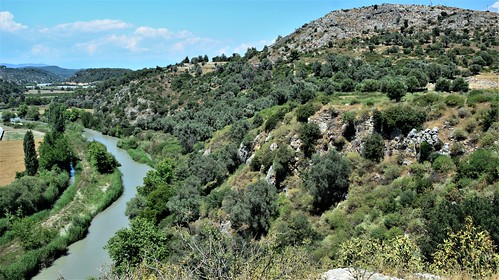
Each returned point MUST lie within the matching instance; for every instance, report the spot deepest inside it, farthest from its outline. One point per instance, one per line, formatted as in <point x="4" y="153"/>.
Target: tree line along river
<point x="87" y="257"/>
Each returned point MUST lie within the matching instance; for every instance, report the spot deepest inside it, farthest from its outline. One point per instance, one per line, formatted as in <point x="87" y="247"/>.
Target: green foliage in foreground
<point x="252" y="209"/>
<point x="469" y="250"/>
<point x="141" y="242"/>
<point x="209" y="254"/>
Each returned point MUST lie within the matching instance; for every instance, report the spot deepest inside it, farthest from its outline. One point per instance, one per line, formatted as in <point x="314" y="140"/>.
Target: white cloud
<point x="130" y="43"/>
<point x="112" y="42"/>
<point x="92" y="26"/>
<point x="495" y="6"/>
<point x="242" y="48"/>
<point x="8" y="24"/>
<point x="41" y="50"/>
<point x="147" y="31"/>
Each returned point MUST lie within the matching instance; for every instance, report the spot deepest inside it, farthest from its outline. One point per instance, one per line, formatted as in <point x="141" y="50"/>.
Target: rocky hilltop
<point x="343" y="24"/>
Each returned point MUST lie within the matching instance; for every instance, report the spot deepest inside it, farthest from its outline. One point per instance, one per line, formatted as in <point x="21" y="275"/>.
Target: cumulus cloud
<point x="8" y="24"/>
<point x="41" y="50"/>
<point x="147" y="31"/>
<point x="92" y="26"/>
<point x="495" y="6"/>
<point x="242" y="48"/>
<point x="130" y="43"/>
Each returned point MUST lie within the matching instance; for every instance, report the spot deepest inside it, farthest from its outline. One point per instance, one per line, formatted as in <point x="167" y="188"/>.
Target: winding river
<point x="87" y="257"/>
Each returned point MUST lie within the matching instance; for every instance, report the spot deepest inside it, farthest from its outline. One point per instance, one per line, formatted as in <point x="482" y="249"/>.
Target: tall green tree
<point x="56" y="117"/>
<point x="251" y="209"/>
<point x="30" y="159"/>
<point x="55" y="150"/>
<point x="394" y="88"/>
<point x="141" y="242"/>
<point x="328" y="180"/>
<point x="101" y="158"/>
<point x="374" y="147"/>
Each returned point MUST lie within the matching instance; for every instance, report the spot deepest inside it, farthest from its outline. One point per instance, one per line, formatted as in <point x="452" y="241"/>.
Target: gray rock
<point x="268" y="137"/>
<point x="323" y="127"/>
<point x="273" y="146"/>
<point x="295" y="142"/>
<point x="243" y="152"/>
<point x="270" y="177"/>
<point x="225" y="226"/>
<point x="351" y="273"/>
<point x="250" y="158"/>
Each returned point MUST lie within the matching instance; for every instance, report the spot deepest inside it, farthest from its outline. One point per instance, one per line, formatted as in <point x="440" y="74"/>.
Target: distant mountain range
<point x="9" y="65"/>
<point x="34" y="73"/>
<point x="41" y="73"/>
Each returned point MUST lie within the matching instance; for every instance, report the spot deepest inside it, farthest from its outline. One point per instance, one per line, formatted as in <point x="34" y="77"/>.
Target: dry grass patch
<point x="12" y="153"/>
<point x="12" y="160"/>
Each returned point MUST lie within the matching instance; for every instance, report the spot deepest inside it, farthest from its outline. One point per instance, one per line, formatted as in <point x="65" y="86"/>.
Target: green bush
<point x="401" y="117"/>
<point x="370" y="85"/>
<point x="428" y="99"/>
<point x="425" y="150"/>
<point x="142" y="241"/>
<point x="394" y="88"/>
<point x="305" y="111"/>
<point x="328" y="180"/>
<point x="470" y="250"/>
<point x="487" y="140"/>
<point x="309" y="133"/>
<point x="454" y="101"/>
<point x="272" y="121"/>
<point x="252" y="208"/>
<point x="479" y="96"/>
<point x="443" y="164"/>
<point x="459" y="134"/>
<point x="100" y="158"/>
<point x="374" y="147"/>
<point x="481" y="162"/>
<point x="442" y="84"/>
<point x="459" y="85"/>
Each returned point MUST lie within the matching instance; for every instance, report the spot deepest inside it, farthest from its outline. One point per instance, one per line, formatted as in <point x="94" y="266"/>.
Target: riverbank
<point x="66" y="222"/>
<point x="77" y="264"/>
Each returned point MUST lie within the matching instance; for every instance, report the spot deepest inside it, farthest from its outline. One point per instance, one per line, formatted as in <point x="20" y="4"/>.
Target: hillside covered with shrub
<point x="374" y="150"/>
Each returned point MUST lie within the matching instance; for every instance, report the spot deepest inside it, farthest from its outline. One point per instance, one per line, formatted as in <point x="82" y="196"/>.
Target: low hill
<point x="97" y="74"/>
<point x="9" y="91"/>
<point x="366" y="21"/>
<point x="64" y="73"/>
<point x="29" y="75"/>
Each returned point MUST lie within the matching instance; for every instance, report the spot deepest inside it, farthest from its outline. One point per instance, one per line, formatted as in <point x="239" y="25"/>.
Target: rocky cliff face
<point x="363" y="21"/>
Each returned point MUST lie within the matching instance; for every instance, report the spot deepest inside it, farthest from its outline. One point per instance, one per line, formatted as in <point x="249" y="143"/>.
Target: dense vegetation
<point x="97" y="74"/>
<point x="31" y="75"/>
<point x="372" y="153"/>
<point x="10" y="93"/>
<point x="277" y="152"/>
<point x="40" y="214"/>
<point x="249" y="155"/>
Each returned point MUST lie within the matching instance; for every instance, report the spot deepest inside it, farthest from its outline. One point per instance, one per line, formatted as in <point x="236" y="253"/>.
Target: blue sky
<point x="147" y="33"/>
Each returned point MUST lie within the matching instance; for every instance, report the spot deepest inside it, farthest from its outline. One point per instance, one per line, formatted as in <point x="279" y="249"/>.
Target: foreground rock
<point x="351" y="273"/>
